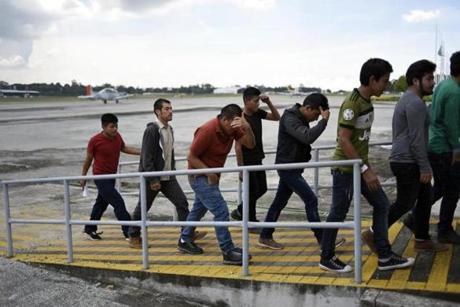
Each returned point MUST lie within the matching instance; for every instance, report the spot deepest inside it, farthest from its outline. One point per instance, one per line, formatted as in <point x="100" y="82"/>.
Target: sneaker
<point x="189" y="248"/>
<point x="368" y="238"/>
<point x="93" y="235"/>
<point x="334" y="265"/>
<point x="429" y="245"/>
<point x="449" y="237"/>
<point x="269" y="243"/>
<point x="236" y="215"/>
<point x="233" y="256"/>
<point x="395" y="262"/>
<point x="240" y="250"/>
<point x="408" y="221"/>
<point x="198" y="235"/>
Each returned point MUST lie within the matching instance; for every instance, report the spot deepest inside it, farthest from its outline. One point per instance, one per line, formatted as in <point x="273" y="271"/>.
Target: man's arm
<point x="131" y="150"/>
<point x="416" y="115"/>
<point x="196" y="162"/>
<point x="301" y="132"/>
<point x="344" y="140"/>
<point x="151" y="136"/>
<point x="86" y="165"/>
<point x="273" y="114"/>
<point x="248" y="139"/>
<point x="452" y="122"/>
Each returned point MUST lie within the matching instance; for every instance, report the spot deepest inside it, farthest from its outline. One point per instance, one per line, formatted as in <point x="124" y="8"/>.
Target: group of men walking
<point x="426" y="145"/>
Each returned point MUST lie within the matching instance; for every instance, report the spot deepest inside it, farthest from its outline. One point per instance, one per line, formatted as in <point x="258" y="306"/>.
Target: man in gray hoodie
<point x="409" y="155"/>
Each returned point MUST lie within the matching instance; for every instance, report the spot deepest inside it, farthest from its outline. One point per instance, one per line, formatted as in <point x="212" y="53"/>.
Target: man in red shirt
<point x="211" y="144"/>
<point x="105" y="148"/>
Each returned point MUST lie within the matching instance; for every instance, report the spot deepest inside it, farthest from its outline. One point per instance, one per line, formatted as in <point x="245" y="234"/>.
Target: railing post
<point x="145" y="243"/>
<point x="357" y="221"/>
<point x="119" y="179"/>
<point x="9" y="232"/>
<point x="316" y="172"/>
<point x="68" y="226"/>
<point x="239" y="191"/>
<point x="245" y="232"/>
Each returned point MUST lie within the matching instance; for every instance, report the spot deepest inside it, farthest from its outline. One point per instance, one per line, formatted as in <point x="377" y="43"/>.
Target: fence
<point x="144" y="224"/>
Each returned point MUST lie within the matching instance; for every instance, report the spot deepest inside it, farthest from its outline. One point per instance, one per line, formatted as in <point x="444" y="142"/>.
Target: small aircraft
<point x="105" y="94"/>
<point x="23" y="93"/>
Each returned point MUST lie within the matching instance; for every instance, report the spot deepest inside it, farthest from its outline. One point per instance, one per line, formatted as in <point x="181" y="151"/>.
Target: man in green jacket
<point x="444" y="149"/>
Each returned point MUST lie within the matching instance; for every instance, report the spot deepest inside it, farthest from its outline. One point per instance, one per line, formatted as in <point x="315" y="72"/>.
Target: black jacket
<point x="152" y="157"/>
<point x="295" y="136"/>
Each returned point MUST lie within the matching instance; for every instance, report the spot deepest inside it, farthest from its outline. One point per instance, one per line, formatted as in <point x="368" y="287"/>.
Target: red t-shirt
<point x="105" y="152"/>
<point x="211" y="145"/>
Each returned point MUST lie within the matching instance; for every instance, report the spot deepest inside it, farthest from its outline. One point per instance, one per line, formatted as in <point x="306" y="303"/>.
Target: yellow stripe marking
<point x="438" y="275"/>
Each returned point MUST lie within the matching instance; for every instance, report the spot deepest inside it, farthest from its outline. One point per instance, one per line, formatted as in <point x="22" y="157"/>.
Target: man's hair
<point x="316" y="100"/>
<point x="455" y="64"/>
<point x="230" y="111"/>
<point x="108" y="118"/>
<point x="374" y="67"/>
<point x="250" y="92"/>
<point x="158" y="104"/>
<point x="419" y="69"/>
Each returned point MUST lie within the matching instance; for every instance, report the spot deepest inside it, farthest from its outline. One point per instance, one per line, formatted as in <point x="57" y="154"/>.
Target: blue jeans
<point x="208" y="197"/>
<point x="107" y="194"/>
<point x="342" y="193"/>
<point x="292" y="181"/>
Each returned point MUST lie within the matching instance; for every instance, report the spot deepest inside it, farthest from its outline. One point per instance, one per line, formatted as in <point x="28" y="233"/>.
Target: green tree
<point x="400" y="85"/>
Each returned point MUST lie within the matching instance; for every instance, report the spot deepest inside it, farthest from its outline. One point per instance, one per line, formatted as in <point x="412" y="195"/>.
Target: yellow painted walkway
<point x="297" y="263"/>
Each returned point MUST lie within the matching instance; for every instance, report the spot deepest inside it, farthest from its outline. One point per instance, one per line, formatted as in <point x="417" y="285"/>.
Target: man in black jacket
<point x="157" y="154"/>
<point x="294" y="139"/>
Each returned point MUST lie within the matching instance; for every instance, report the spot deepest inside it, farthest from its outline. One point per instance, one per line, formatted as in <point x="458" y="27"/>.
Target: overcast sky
<point x="222" y="42"/>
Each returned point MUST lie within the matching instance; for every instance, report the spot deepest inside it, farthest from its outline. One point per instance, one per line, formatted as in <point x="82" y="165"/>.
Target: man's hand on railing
<point x="371" y="180"/>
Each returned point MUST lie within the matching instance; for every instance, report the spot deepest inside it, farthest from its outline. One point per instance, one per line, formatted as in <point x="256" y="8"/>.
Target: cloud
<point x="12" y="61"/>
<point x="416" y="16"/>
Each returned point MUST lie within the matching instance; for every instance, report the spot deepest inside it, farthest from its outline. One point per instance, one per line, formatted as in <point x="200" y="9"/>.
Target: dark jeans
<point x="172" y="190"/>
<point x="446" y="185"/>
<point x="342" y="193"/>
<point x="257" y="188"/>
<point x="107" y="194"/>
<point x="292" y="181"/>
<point x="411" y="193"/>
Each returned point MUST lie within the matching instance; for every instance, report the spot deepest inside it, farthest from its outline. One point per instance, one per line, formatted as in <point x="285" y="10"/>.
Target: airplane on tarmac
<point x="105" y="94"/>
<point x="24" y="93"/>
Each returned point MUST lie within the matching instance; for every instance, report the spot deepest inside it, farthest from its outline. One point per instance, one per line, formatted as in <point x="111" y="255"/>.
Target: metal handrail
<point x="143" y="223"/>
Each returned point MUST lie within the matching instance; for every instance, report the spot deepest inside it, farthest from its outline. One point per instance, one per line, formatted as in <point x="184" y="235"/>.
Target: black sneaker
<point x="93" y="235"/>
<point x="449" y="237"/>
<point x="240" y="250"/>
<point x="334" y="265"/>
<point x="233" y="256"/>
<point x="189" y="248"/>
<point x="395" y="262"/>
<point x="236" y="215"/>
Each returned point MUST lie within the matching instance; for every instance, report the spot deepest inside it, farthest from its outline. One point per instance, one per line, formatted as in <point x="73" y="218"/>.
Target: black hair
<point x="108" y="118"/>
<point x="250" y="92"/>
<point x="158" y="104"/>
<point x="419" y="69"/>
<point x="455" y="64"/>
<point x="374" y="67"/>
<point x="230" y="111"/>
<point x="316" y="100"/>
